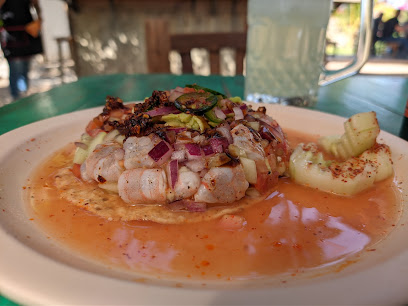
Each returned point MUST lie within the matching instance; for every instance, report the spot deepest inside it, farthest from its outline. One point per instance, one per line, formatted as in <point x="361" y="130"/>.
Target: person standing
<point x="376" y="26"/>
<point x="390" y="35"/>
<point x="20" y="40"/>
<point x="390" y="27"/>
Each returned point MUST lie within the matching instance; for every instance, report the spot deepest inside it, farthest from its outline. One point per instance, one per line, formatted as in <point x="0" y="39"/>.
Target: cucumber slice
<point x="120" y="139"/>
<point x="249" y="167"/>
<point x="98" y="139"/>
<point x="361" y="131"/>
<point x="210" y="115"/>
<point x="236" y="151"/>
<point x="81" y="154"/>
<point x="308" y="167"/>
<point x="86" y="139"/>
<point x="111" y="135"/>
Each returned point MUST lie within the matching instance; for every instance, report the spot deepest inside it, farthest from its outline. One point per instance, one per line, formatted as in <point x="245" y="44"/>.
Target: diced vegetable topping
<point x="184" y="120"/>
<point x="163" y="111"/>
<point x="173" y="169"/>
<point x="213" y="118"/>
<point x="193" y="150"/>
<point x="161" y="152"/>
<point x="190" y="128"/>
<point x="249" y="169"/>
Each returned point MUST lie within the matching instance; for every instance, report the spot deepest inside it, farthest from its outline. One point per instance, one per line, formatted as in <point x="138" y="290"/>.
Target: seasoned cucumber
<point x="361" y="131"/>
<point x="308" y="167"/>
<point x="380" y="156"/>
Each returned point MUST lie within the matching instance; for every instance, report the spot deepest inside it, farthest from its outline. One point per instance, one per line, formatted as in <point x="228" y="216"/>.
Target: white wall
<point x="55" y="24"/>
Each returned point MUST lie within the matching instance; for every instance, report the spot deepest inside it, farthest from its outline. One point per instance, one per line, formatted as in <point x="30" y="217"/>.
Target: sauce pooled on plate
<point x="294" y="230"/>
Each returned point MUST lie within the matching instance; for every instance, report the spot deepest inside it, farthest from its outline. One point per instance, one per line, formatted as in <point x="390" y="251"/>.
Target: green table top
<point x="385" y="95"/>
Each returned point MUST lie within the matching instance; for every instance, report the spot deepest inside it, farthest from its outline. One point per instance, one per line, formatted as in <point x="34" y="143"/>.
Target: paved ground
<point x="44" y="76"/>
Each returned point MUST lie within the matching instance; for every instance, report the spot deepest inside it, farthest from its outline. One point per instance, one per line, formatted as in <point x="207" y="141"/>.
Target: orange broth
<point x="294" y="230"/>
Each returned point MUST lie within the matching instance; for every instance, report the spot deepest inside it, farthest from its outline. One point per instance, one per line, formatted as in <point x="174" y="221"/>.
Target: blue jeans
<point x="18" y="76"/>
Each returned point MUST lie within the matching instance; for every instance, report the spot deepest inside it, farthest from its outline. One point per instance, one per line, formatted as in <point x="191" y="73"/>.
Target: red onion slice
<point x="173" y="170"/>
<point x="163" y="111"/>
<point x="81" y="145"/>
<point x="176" y="129"/>
<point x="270" y="133"/>
<point x="196" y="206"/>
<point x="218" y="144"/>
<point x="239" y="115"/>
<point x="177" y="205"/>
<point x="266" y="119"/>
<point x="193" y="151"/>
<point x="161" y="152"/>
<point x="219" y="113"/>
<point x="225" y="130"/>
<point x="208" y="150"/>
<point x="188" y="205"/>
<point x="175" y="93"/>
<point x="243" y="106"/>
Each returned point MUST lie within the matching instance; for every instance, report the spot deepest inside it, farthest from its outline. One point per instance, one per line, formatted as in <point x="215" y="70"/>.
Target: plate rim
<point x="12" y="287"/>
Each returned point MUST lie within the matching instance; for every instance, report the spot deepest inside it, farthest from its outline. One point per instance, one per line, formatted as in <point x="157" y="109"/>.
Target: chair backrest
<point x="159" y="42"/>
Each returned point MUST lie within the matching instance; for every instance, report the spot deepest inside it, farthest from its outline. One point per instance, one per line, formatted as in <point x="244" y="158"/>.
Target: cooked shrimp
<point x="244" y="139"/>
<point x="187" y="184"/>
<point x="143" y="186"/>
<point x="136" y="152"/>
<point x="104" y="164"/>
<point x="222" y="185"/>
<point x="84" y="175"/>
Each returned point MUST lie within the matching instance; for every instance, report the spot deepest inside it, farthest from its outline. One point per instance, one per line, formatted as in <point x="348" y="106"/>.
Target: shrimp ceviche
<point x="187" y="150"/>
<point x="192" y="154"/>
<point x="193" y="185"/>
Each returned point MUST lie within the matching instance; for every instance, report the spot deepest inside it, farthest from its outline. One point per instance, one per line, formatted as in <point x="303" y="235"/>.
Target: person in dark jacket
<point x="376" y="27"/>
<point x="390" y="27"/>
<point x="20" y="40"/>
<point x="390" y="35"/>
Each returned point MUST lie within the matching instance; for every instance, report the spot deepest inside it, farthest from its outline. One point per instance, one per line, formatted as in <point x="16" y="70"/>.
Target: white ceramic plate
<point x="37" y="270"/>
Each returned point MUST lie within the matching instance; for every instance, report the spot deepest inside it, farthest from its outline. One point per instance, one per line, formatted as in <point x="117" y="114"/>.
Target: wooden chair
<point x="62" y="63"/>
<point x="159" y="42"/>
